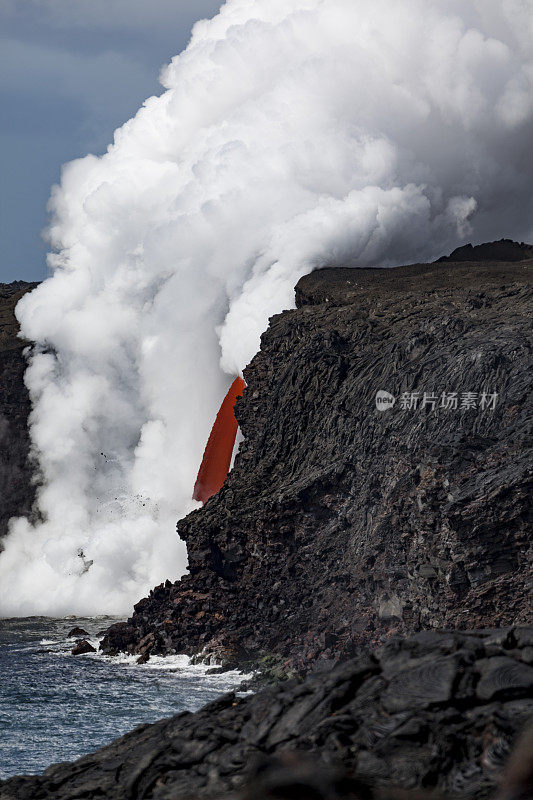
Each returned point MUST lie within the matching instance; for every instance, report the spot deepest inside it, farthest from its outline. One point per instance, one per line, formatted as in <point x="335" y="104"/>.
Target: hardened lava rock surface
<point x="16" y="487"/>
<point x="435" y="711"/>
<point x="342" y="524"/>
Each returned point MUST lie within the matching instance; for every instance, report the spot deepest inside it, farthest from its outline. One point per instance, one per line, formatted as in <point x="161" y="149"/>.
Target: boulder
<point x="82" y="647"/>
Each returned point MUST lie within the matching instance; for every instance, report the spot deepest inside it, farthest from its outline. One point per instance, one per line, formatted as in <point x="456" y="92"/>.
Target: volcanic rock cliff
<point x="16" y="489"/>
<point x="342" y="523"/>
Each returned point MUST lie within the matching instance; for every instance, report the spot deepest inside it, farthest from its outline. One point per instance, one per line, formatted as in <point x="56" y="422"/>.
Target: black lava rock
<point x="76" y="633"/>
<point x="342" y="524"/>
<point x="436" y="711"/>
<point x="82" y="647"/>
<point x="17" y="489"/>
<point x="503" y="250"/>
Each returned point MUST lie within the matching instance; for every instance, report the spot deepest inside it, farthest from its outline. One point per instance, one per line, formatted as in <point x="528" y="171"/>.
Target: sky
<point x="71" y="72"/>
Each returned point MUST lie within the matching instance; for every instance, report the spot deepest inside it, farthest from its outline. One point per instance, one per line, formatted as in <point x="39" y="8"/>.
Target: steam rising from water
<point x="292" y="134"/>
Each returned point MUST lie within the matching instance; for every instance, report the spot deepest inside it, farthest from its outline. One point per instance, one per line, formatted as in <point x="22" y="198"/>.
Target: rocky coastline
<point x="434" y="712"/>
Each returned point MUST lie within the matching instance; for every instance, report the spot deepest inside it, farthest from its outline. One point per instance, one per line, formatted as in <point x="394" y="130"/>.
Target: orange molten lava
<point x="218" y="451"/>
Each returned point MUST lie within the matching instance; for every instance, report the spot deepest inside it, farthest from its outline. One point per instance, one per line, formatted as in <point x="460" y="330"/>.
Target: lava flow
<point x="219" y="449"/>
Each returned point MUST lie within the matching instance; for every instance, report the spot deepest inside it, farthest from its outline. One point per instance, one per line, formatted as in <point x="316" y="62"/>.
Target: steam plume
<point x="292" y="134"/>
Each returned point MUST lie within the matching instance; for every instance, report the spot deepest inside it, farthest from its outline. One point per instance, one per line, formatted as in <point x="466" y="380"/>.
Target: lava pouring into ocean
<point x="219" y="449"/>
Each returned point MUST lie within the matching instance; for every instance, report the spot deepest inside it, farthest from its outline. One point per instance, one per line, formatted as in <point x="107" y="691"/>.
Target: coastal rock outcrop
<point x="347" y="518"/>
<point x="76" y="632"/>
<point x="82" y="647"/>
<point x="16" y="487"/>
<point x="434" y="711"/>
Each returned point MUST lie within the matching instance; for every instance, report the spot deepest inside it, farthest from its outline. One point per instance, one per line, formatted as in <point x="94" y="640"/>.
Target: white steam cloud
<point x="292" y="134"/>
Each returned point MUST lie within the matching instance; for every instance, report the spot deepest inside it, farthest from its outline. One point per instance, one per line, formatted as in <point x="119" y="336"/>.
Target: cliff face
<point x="341" y="523"/>
<point x="437" y="711"/>
<point x="16" y="489"/>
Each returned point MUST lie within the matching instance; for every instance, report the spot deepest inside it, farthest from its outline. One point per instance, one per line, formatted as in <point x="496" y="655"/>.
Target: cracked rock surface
<point x="340" y="524"/>
<point x="16" y="489"/>
<point x="433" y="711"/>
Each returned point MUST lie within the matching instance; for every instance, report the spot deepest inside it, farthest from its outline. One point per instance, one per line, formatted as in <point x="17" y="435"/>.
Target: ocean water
<point x="56" y="707"/>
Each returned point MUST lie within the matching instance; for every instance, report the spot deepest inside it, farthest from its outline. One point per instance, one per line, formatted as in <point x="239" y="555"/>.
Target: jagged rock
<point x="341" y="524"/>
<point x="82" y="647"/>
<point x="296" y="776"/>
<point x="76" y="633"/>
<point x="504" y="250"/>
<point x="355" y="732"/>
<point x="502" y="674"/>
<point x="16" y="487"/>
